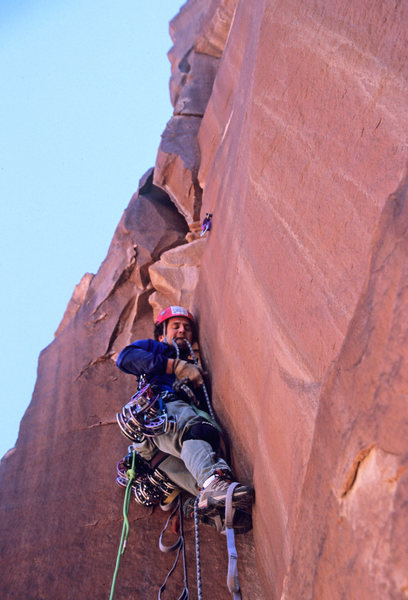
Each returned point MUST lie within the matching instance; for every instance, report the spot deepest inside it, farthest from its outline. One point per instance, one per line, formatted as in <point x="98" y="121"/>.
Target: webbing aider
<point x="180" y="547"/>
<point x="232" y="577"/>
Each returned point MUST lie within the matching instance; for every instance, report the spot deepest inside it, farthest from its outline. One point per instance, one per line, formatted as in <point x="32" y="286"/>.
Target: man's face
<point x="178" y="329"/>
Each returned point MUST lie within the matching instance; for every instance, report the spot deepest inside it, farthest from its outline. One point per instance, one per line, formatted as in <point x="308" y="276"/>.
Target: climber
<point x="194" y="438"/>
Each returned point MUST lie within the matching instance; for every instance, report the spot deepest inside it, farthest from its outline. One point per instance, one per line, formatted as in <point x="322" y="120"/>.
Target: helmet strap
<point x="165" y="332"/>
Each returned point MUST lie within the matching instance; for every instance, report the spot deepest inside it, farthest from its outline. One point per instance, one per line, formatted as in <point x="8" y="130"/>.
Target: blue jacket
<point x="150" y="358"/>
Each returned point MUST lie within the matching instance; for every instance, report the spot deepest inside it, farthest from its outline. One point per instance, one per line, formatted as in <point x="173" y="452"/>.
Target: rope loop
<point x="180" y="547"/>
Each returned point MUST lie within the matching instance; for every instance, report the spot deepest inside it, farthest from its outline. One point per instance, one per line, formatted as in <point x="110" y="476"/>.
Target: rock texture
<point x="289" y="126"/>
<point x="175" y="275"/>
<point x="76" y="301"/>
<point x="199" y="33"/>
<point x="356" y="485"/>
<point x="300" y="149"/>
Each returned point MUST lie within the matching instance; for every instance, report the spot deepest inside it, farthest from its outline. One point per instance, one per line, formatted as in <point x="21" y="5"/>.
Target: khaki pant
<point x="191" y="462"/>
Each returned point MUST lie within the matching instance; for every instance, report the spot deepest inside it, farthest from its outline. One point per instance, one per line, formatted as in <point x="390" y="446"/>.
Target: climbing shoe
<point x="214" y="492"/>
<point x="215" y="517"/>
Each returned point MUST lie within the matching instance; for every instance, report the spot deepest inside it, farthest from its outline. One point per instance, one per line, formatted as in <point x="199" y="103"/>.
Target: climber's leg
<point x="176" y="470"/>
<point x="211" y="472"/>
<point x="197" y="454"/>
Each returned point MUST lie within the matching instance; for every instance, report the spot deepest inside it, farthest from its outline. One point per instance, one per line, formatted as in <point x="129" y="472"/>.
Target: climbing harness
<point x="206" y="224"/>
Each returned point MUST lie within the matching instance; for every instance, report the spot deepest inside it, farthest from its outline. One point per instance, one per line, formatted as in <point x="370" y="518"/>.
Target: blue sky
<point x="83" y="103"/>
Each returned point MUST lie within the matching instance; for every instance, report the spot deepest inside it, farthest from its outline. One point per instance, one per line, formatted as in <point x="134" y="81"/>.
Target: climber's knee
<point x="203" y="431"/>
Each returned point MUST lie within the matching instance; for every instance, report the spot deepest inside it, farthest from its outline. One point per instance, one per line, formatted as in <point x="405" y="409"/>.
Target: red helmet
<point x="173" y="311"/>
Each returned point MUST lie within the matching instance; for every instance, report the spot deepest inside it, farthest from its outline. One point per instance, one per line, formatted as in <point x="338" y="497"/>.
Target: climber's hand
<point x="182" y="369"/>
<point x="182" y="387"/>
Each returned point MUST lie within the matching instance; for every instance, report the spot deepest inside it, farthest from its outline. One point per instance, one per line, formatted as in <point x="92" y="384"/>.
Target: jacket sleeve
<point x="143" y="356"/>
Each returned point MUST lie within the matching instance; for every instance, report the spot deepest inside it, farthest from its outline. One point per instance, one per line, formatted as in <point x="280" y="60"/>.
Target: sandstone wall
<point x="301" y="147"/>
<point x="290" y="127"/>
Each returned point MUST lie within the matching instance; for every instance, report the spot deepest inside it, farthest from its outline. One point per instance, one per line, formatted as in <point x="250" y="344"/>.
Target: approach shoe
<point x="215" y="517"/>
<point x="214" y="493"/>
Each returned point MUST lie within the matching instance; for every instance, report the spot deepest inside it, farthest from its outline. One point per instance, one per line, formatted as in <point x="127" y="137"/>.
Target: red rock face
<point x="290" y="127"/>
<point x="356" y="484"/>
<point x="61" y="511"/>
<point x="60" y="507"/>
<point x="300" y="149"/>
<point x="199" y="33"/>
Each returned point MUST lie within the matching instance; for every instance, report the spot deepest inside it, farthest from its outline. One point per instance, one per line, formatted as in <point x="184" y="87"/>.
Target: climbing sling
<point x="180" y="547"/>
